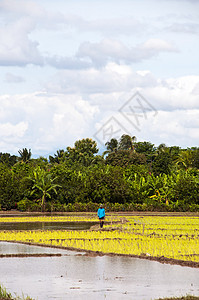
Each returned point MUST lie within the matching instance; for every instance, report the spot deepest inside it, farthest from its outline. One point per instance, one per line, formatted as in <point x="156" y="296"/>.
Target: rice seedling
<point x="170" y="237"/>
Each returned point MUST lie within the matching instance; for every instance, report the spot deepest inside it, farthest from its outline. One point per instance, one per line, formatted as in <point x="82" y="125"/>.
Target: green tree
<point x="186" y="189"/>
<point x="7" y="159"/>
<point x="25" y="155"/>
<point x="105" y="184"/>
<point x="196" y="158"/>
<point x="162" y="163"/>
<point x="58" y="157"/>
<point x="44" y="184"/>
<point x="111" y="146"/>
<point x="71" y="185"/>
<point x="147" y="149"/>
<point x="125" y="158"/>
<point x="22" y="185"/>
<point x="127" y="142"/>
<point x="7" y="195"/>
<point x="162" y="148"/>
<point x="185" y="159"/>
<point x="83" y="152"/>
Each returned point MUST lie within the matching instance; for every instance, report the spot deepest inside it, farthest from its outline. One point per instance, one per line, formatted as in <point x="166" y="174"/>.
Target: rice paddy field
<point x="170" y="239"/>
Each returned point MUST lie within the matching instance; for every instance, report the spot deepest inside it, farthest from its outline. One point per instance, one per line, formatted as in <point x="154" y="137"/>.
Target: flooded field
<point x="46" y="225"/>
<point x="76" y="275"/>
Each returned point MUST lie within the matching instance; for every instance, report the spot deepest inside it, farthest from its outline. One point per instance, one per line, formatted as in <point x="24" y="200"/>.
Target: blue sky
<point x="68" y="67"/>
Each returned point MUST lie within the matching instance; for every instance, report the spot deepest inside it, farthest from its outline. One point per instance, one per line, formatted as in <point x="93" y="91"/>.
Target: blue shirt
<point x="101" y="213"/>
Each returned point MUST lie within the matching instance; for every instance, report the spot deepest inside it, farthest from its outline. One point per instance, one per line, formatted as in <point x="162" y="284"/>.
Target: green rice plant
<point x="171" y="237"/>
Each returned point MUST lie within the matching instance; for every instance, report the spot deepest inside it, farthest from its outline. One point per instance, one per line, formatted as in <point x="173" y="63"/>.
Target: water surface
<point x="77" y="276"/>
<point x="46" y="225"/>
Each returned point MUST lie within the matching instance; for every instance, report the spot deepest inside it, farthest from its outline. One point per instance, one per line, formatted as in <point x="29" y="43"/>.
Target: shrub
<point x="24" y="204"/>
<point x="186" y="189"/>
<point x="28" y="205"/>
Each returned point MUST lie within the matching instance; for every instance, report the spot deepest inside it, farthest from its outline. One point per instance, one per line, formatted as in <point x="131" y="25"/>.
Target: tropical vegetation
<point x="128" y="175"/>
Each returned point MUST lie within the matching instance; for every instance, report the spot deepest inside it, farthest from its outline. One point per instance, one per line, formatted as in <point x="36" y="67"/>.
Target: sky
<point x="98" y="69"/>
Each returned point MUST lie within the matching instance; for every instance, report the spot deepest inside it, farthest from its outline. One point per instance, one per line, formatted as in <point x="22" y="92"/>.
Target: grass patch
<point x="4" y="295"/>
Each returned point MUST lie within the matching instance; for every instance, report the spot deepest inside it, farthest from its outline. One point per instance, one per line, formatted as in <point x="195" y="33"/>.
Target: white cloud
<point x="184" y="27"/>
<point x="111" y="78"/>
<point x="114" y="50"/>
<point x="158" y="45"/>
<point x="110" y="50"/>
<point x="195" y="90"/>
<point x="10" y="130"/>
<point x="16" y="48"/>
<point x="112" y="26"/>
<point x="102" y="57"/>
<point x="37" y="10"/>
<point x="43" y="122"/>
<point x="60" y="62"/>
<point x="177" y="127"/>
<point x="21" y="7"/>
<point x="46" y="122"/>
<point x="14" y="10"/>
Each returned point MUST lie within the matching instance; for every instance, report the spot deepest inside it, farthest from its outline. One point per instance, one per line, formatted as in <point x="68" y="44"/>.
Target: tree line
<point x="129" y="175"/>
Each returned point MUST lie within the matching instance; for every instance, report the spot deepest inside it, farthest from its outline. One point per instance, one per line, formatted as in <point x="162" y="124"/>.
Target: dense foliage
<point x="129" y="175"/>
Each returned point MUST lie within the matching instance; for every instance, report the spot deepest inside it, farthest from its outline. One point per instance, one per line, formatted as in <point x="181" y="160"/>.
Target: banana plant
<point x="44" y="183"/>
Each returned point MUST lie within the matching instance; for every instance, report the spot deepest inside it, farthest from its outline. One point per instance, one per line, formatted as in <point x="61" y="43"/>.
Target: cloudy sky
<point x="98" y="69"/>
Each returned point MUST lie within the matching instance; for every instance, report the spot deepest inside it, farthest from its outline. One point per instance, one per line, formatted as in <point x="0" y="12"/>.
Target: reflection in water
<point x="46" y="225"/>
<point x="83" y="277"/>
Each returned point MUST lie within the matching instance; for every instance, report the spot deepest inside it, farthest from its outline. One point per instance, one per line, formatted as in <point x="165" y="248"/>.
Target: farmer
<point x="101" y="215"/>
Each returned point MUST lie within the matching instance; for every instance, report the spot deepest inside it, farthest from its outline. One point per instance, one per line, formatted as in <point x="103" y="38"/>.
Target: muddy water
<point x="46" y="225"/>
<point x="77" y="276"/>
<point x="17" y="248"/>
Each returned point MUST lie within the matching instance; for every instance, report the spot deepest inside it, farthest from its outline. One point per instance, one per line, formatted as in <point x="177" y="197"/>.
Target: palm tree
<point x="25" y="155"/>
<point x="44" y="183"/>
<point x="57" y="157"/>
<point x="111" y="146"/>
<point x="162" y="148"/>
<point x="127" y="142"/>
<point x="185" y="159"/>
